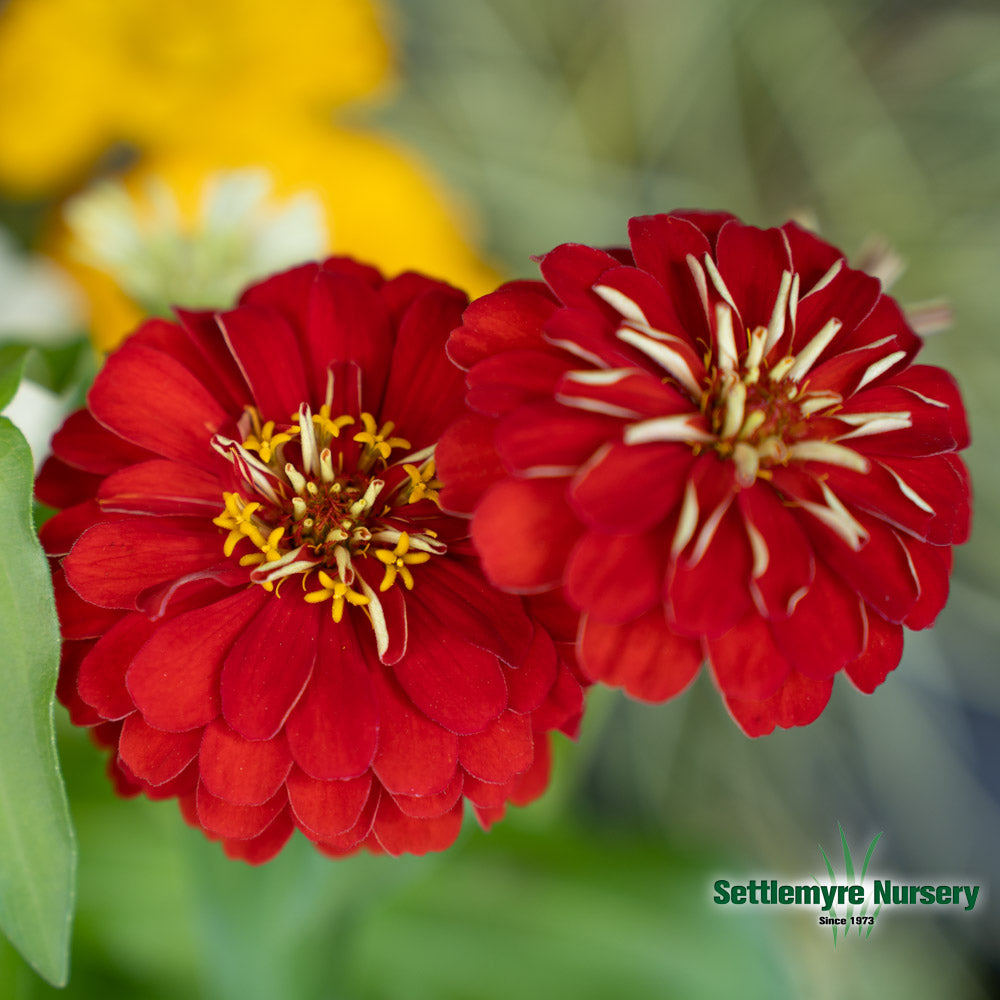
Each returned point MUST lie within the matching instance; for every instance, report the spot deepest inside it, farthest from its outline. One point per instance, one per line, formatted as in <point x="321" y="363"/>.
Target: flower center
<point x="332" y="507"/>
<point x="752" y="404"/>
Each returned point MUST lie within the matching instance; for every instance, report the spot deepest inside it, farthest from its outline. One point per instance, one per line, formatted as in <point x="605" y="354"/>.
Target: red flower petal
<point x="115" y="561"/>
<point x="504" y="381"/>
<point x="269" y="666"/>
<point x="454" y="591"/>
<point x="799" y="701"/>
<point x="332" y="731"/>
<point x="267" y="350"/>
<point x="398" y="833"/>
<point x="510" y="318"/>
<point x="84" y="444"/>
<point x="521" y="536"/>
<point x="174" y="679"/>
<point x="643" y="656"/>
<point x="547" y="439"/>
<point x="348" y="321"/>
<point x="500" y="751"/>
<point x="186" y="414"/>
<point x="246" y="772"/>
<point x="457" y="685"/>
<point x="931" y="566"/>
<point x="825" y="631"/>
<point x="571" y="271"/>
<point x="616" y="578"/>
<point x="425" y="389"/>
<point x="432" y="806"/>
<point x="751" y="262"/>
<point x="229" y="820"/>
<point x="60" y="485"/>
<point x="415" y="756"/>
<point x="327" y="808"/>
<point x="563" y="707"/>
<point x="161" y="487"/>
<point x="260" y="849"/>
<point x="880" y="572"/>
<point x="101" y="680"/>
<point x="655" y="472"/>
<point x="80" y="713"/>
<point x="708" y="588"/>
<point x="883" y="649"/>
<point x="531" y="681"/>
<point x="154" y="755"/>
<point x="79" y="619"/>
<point x="783" y="563"/>
<point x="467" y="462"/>
<point x="747" y="664"/>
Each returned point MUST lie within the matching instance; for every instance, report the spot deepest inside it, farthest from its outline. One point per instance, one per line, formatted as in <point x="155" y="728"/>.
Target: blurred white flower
<point x="37" y="413"/>
<point x="160" y="256"/>
<point x="38" y="302"/>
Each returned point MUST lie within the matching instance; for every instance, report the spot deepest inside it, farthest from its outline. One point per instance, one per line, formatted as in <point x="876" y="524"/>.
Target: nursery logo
<point x="849" y="901"/>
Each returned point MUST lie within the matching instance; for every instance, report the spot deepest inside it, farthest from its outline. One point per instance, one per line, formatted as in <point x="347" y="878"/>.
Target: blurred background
<point x="150" y="156"/>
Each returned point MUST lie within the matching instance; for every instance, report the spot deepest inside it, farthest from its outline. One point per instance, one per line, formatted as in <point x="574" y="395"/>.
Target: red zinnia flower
<point x="718" y="445"/>
<point x="266" y="613"/>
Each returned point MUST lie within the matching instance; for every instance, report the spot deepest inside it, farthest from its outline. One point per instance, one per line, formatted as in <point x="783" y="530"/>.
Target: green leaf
<point x="37" y="846"/>
<point x="12" y="361"/>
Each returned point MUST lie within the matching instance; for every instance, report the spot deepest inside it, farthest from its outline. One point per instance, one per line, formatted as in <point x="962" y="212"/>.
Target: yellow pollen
<point x="337" y="591"/>
<point x="330" y="425"/>
<point x="237" y="519"/>
<point x="377" y="440"/>
<point x="397" y="562"/>
<point x="422" y="482"/>
<point x="265" y="442"/>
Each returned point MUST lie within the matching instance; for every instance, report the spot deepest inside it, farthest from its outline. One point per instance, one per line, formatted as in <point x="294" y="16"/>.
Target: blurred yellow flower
<point x="79" y="75"/>
<point x="196" y="88"/>
<point x="373" y="201"/>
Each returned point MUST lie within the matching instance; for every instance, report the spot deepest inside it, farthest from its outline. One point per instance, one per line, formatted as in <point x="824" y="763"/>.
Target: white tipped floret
<point x="830" y="453"/>
<point x="345" y="570"/>
<point x="612" y="376"/>
<point x="572" y="347"/>
<point x="837" y="517"/>
<point x="761" y="555"/>
<point x="819" y="401"/>
<point x="674" y="428"/>
<point x="376" y="616"/>
<point x="720" y="285"/>
<point x="809" y="354"/>
<point x="780" y="370"/>
<point x="793" y="302"/>
<point x="620" y="302"/>
<point x="368" y="500"/>
<point x="708" y="530"/>
<point x="671" y="361"/>
<point x="725" y="339"/>
<point x="307" y="439"/>
<point x="866" y="424"/>
<point x="700" y="281"/>
<point x="776" y="326"/>
<point x="832" y="273"/>
<point x="687" y="521"/>
<point x="296" y="561"/>
<point x="910" y="493"/>
<point x="746" y="458"/>
<point x="296" y="478"/>
<point x="736" y="398"/>
<point x="880" y="367"/>
<point x="326" y="466"/>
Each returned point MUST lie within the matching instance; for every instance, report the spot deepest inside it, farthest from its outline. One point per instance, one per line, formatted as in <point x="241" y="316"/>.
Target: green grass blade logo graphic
<point x="864" y="922"/>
